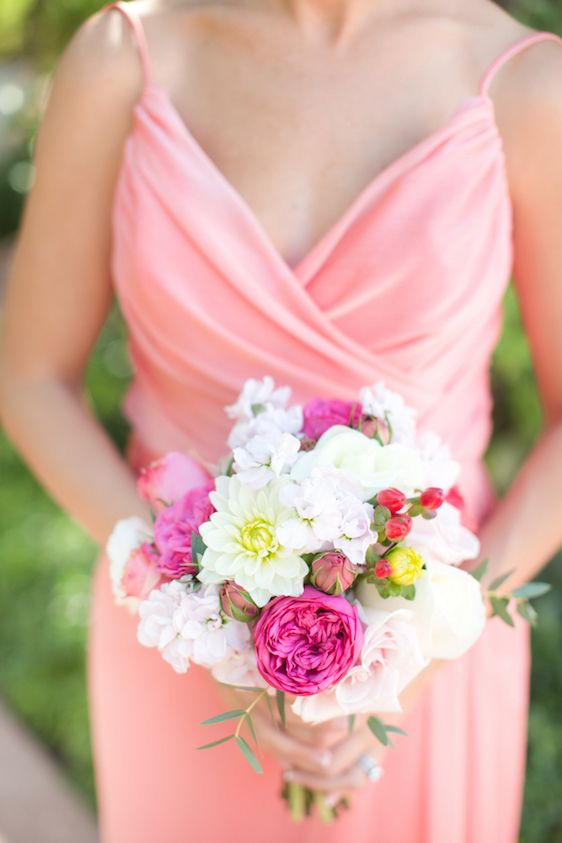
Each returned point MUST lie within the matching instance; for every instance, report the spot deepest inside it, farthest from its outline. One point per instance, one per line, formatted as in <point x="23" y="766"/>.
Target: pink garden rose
<point x="165" y="481"/>
<point x="141" y="573"/>
<point x="322" y="413"/>
<point x="306" y="644"/>
<point x="173" y="530"/>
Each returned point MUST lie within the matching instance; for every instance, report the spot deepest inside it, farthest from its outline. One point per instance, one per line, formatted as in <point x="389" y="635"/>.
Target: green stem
<point x="325" y="812"/>
<point x="296" y="799"/>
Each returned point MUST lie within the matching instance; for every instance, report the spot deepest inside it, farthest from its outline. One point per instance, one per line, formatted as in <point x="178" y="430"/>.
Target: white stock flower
<point x="379" y="401"/>
<point x="440" y="468"/>
<point x="256" y="394"/>
<point x="188" y="626"/>
<point x="242" y="543"/>
<point x="268" y="454"/>
<point x="126" y="536"/>
<point x="444" y="537"/>
<point x="260" y="404"/>
<point x="239" y="668"/>
<point x="448" y="611"/>
<point x="364" y="460"/>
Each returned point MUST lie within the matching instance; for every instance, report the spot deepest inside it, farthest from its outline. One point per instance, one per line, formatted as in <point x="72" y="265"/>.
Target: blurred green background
<point x="46" y="559"/>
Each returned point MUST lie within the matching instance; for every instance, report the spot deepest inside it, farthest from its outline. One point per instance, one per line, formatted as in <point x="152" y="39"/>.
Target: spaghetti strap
<point x="511" y="51"/>
<point x="138" y="31"/>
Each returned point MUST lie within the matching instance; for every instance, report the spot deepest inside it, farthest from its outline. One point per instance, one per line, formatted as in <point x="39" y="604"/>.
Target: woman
<point x="330" y="193"/>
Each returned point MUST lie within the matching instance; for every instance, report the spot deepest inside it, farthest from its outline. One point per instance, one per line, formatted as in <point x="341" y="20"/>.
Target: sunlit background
<point x="46" y="560"/>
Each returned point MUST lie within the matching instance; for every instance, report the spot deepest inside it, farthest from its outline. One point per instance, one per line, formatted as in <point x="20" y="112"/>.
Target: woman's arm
<point x="59" y="287"/>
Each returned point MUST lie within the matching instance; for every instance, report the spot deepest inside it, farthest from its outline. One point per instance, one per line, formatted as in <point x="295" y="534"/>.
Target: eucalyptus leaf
<point x="350" y="723"/>
<point x="527" y="612"/>
<point x="251" y="727"/>
<point x="480" y="570"/>
<point x="495" y="584"/>
<point x="531" y="590"/>
<point x="378" y="729"/>
<point x="216" y="743"/>
<point x="396" y="730"/>
<point x="249" y="754"/>
<point x="280" y="701"/>
<point x="226" y="715"/>
<point x="499" y="607"/>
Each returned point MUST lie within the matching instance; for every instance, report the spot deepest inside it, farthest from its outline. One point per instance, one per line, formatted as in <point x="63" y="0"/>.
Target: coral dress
<point x="406" y="286"/>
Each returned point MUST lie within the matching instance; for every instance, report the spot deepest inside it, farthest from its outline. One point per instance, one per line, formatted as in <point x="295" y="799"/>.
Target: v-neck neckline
<point x="315" y="257"/>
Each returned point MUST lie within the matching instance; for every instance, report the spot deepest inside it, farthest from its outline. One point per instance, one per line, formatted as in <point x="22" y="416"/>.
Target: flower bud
<point x="383" y="569"/>
<point x="407" y="565"/>
<point x="374" y="428"/>
<point x="332" y="572"/>
<point x="392" y="498"/>
<point x="432" y="498"/>
<point x="237" y="603"/>
<point x="398" y="527"/>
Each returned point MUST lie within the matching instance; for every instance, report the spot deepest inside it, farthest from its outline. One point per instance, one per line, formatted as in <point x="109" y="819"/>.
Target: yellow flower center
<point x="258" y="538"/>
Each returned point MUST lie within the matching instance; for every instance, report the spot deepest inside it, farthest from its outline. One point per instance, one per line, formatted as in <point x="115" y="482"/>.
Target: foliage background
<point x="47" y="560"/>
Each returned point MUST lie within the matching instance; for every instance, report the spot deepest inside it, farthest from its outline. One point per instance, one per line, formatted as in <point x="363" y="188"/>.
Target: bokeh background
<point x="46" y="560"/>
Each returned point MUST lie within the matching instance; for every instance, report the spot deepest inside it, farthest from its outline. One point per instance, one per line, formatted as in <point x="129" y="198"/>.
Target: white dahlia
<point x="242" y="543"/>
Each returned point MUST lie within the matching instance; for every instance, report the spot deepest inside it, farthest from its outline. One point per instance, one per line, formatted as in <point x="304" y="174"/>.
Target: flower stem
<point x="248" y="710"/>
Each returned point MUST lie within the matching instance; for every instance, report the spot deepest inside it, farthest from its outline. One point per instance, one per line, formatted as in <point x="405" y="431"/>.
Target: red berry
<point x="383" y="569"/>
<point x="398" y="527"/>
<point x="432" y="498"/>
<point x="393" y="499"/>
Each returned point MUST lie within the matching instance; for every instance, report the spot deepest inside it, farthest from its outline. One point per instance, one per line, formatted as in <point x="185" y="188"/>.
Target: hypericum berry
<point x="393" y="499"/>
<point x="398" y="527"/>
<point x="432" y="498"/>
<point x="383" y="569"/>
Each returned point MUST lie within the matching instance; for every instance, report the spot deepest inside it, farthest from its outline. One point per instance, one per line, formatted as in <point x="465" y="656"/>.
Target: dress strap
<point x="490" y="72"/>
<point x="138" y="32"/>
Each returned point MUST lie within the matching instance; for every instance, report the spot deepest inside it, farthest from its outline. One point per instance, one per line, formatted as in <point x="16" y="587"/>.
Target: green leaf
<point x="280" y="701"/>
<point x="480" y="570"/>
<point x="378" y="729"/>
<point x="249" y="754"/>
<point x="531" y="590"/>
<point x="499" y="607"/>
<point x="216" y="743"/>
<point x="371" y="556"/>
<point x="527" y="612"/>
<point x="495" y="584"/>
<point x="198" y="546"/>
<point x="396" y="730"/>
<point x="408" y="592"/>
<point x="226" y="715"/>
<point x="381" y="514"/>
<point x="350" y="723"/>
<point x="394" y="589"/>
<point x="251" y="727"/>
<point x="270" y="710"/>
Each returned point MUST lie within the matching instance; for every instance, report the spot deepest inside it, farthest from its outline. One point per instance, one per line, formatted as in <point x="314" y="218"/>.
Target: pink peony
<point x="165" y="481"/>
<point x="307" y="644"/>
<point x="173" y="530"/>
<point x="141" y="572"/>
<point x="322" y="413"/>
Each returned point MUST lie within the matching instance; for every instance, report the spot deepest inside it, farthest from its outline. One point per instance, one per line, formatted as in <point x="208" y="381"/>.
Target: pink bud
<point x="398" y="527"/>
<point x="332" y="572"/>
<point x="392" y="498"/>
<point x="166" y="480"/>
<point x="372" y="427"/>
<point x="432" y="498"/>
<point x="383" y="569"/>
<point x="237" y="603"/>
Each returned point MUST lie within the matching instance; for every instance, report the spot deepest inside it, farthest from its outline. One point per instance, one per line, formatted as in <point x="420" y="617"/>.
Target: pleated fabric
<point x="406" y="287"/>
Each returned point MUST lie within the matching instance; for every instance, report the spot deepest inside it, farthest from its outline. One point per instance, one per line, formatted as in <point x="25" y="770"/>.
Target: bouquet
<point x="320" y="565"/>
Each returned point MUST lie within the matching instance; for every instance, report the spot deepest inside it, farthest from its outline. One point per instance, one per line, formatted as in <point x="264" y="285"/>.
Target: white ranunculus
<point x="367" y="462"/>
<point x="126" y="536"/>
<point x="242" y="541"/>
<point x="391" y="657"/>
<point x="448" y="611"/>
<point x="379" y="401"/>
<point x="444" y="537"/>
<point x="188" y="626"/>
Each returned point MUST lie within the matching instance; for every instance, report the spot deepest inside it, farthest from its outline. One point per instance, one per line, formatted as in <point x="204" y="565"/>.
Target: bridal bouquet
<point x="321" y="563"/>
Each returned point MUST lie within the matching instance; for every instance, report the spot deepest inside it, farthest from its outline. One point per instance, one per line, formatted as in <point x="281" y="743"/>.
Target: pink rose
<point x="322" y="413"/>
<point x="173" y="530"/>
<point x="141" y="573"/>
<point x="308" y="643"/>
<point x="165" y="481"/>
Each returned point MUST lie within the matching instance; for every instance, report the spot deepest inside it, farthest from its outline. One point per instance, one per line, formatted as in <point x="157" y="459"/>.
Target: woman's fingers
<point x="346" y="754"/>
<point x="291" y="751"/>
<point x="351" y="779"/>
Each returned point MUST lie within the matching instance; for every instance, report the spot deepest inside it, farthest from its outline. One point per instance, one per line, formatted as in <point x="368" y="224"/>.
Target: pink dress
<point x="406" y="286"/>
